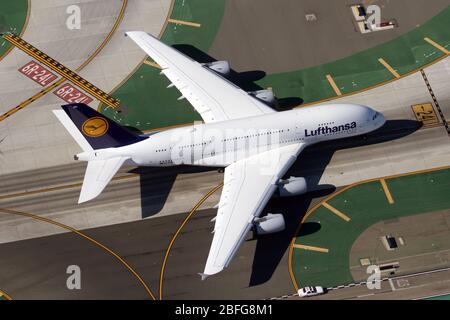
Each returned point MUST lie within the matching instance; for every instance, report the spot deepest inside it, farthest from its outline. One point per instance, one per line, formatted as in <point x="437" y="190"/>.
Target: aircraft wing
<point x="248" y="186"/>
<point x="213" y="97"/>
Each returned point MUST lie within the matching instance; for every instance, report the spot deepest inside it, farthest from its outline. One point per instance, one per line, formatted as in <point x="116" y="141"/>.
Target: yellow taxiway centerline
<point x="388" y="66"/>
<point x="311" y="248"/>
<point x="333" y="85"/>
<point x="163" y="266"/>
<point x="4" y="295"/>
<point x="336" y="212"/>
<point x="436" y="45"/>
<point x="386" y="191"/>
<point x="186" y="23"/>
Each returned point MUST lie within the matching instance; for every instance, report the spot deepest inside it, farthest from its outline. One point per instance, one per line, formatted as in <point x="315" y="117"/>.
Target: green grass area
<point x="148" y="103"/>
<point x="443" y="297"/>
<point x="366" y="205"/>
<point x="362" y="70"/>
<point x="12" y="19"/>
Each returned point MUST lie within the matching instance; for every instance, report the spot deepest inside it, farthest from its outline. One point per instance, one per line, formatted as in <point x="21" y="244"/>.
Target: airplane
<point x="241" y="133"/>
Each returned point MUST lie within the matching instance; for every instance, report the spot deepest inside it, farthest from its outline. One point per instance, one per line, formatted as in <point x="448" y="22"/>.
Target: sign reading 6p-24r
<point x="38" y="73"/>
<point x="70" y="94"/>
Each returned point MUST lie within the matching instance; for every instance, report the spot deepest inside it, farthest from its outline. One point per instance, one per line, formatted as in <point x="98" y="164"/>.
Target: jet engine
<point x="293" y="186"/>
<point x="265" y="95"/>
<point x="222" y="67"/>
<point x="270" y="223"/>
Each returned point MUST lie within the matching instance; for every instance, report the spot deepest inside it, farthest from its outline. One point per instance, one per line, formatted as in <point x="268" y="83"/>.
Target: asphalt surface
<point x="36" y="268"/>
<point x="156" y="192"/>
<point x="414" y="286"/>
<point x="258" y="271"/>
<point x="275" y="36"/>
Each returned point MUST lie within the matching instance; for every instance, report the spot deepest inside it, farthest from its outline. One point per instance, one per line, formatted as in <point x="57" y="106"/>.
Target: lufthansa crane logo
<point x="95" y="127"/>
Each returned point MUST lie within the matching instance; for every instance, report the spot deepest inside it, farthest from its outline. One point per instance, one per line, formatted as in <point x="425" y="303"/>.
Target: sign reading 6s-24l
<point x="38" y="73"/>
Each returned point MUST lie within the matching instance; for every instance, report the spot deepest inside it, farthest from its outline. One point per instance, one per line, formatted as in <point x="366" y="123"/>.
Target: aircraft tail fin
<point x="92" y="130"/>
<point x="97" y="176"/>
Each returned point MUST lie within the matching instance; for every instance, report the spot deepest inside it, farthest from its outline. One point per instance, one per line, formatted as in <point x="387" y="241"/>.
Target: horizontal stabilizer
<point x="98" y="174"/>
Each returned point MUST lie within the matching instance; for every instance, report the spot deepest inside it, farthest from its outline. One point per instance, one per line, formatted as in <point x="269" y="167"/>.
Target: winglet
<point x="203" y="275"/>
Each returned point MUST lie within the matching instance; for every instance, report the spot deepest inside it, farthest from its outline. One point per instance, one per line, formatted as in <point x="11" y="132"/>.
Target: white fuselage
<point x="222" y="143"/>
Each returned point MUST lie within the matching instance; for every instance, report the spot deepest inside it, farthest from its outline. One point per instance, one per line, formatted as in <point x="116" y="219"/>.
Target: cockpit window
<point x="375" y="116"/>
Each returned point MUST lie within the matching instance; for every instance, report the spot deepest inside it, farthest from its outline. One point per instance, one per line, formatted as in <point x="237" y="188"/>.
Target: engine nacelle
<point x="294" y="186"/>
<point x="266" y="96"/>
<point x="222" y="67"/>
<point x="269" y="224"/>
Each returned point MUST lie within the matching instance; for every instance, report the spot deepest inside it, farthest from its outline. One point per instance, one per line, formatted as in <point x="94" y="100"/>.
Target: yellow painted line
<point x="85" y="63"/>
<point x="31" y="99"/>
<point x="388" y="66"/>
<point x="4" y="295"/>
<point x="425" y="113"/>
<point x="333" y="85"/>
<point x="310" y="248"/>
<point x="85" y="236"/>
<point x="108" y="37"/>
<point x="163" y="266"/>
<point x="436" y="45"/>
<point x="331" y="196"/>
<point x="61" y="70"/>
<point x="336" y="212"/>
<point x="386" y="191"/>
<point x="163" y="29"/>
<point x="186" y="23"/>
<point x="152" y="63"/>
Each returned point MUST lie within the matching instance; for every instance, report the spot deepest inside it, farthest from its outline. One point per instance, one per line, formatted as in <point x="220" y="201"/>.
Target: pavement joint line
<point x="60" y="187"/>
<point x="390" y="69"/>
<point x="174" y="237"/>
<point x="88" y="238"/>
<point x="311" y="248"/>
<point x="437" y="45"/>
<point x="436" y="102"/>
<point x="333" y="85"/>
<point x="340" y="214"/>
<point x="186" y="23"/>
<point x="386" y="190"/>
<point x="84" y="64"/>
<point x="31" y="99"/>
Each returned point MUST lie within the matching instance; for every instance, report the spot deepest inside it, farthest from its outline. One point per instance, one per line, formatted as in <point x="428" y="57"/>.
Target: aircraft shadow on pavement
<point x="156" y="183"/>
<point x="311" y="164"/>
<point x="245" y="80"/>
